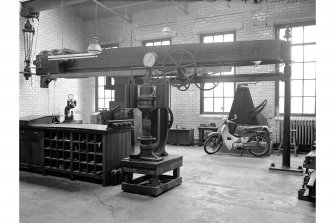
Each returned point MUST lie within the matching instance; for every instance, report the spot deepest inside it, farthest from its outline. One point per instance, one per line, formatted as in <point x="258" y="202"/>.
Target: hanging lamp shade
<point x="166" y="30"/>
<point x="94" y="46"/>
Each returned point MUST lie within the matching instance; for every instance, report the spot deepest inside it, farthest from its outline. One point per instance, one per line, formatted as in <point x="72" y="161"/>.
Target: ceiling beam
<point x="125" y="17"/>
<point x="181" y="7"/>
<point x="43" y="5"/>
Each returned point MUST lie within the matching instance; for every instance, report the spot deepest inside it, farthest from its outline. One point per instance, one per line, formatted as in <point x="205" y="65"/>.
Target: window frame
<point x="103" y="46"/>
<point x="157" y="40"/>
<point x="202" y="112"/>
<point x="277" y="85"/>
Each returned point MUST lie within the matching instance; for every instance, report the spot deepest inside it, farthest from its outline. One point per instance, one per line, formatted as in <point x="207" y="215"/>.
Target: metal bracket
<point x="125" y="17"/>
<point x="181" y="7"/>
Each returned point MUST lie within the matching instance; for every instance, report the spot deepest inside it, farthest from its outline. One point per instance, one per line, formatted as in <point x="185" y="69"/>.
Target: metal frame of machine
<point x="206" y="57"/>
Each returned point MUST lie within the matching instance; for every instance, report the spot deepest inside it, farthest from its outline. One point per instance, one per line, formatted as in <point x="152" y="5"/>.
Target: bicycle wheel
<point x="260" y="147"/>
<point x="212" y="144"/>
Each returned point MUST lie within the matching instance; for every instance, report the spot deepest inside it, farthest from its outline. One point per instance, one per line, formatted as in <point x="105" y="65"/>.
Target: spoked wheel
<point x="184" y="87"/>
<point x="212" y="144"/>
<point x="179" y="67"/>
<point x="203" y="86"/>
<point x="258" y="146"/>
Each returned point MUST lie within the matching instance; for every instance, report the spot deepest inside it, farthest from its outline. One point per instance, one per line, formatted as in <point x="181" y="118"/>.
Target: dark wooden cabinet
<point x="181" y="136"/>
<point x="85" y="150"/>
<point x="31" y="148"/>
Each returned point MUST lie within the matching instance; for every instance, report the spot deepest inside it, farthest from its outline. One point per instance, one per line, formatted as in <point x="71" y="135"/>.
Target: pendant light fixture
<point x="94" y="46"/>
<point x="166" y="29"/>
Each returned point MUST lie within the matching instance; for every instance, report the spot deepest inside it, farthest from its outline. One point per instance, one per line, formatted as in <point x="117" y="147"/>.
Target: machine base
<point x="285" y="169"/>
<point x="153" y="183"/>
<point x="142" y="185"/>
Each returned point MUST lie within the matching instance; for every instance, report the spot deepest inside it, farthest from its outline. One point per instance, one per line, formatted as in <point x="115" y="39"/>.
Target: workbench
<point x="79" y="151"/>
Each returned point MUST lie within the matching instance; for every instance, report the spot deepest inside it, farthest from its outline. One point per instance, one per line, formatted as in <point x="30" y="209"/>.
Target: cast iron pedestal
<point x="153" y="183"/>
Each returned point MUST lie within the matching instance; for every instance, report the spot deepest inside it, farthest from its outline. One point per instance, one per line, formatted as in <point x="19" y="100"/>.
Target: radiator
<point x="305" y="127"/>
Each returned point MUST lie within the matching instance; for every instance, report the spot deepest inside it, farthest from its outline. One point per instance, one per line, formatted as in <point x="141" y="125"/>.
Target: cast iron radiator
<point x="305" y="127"/>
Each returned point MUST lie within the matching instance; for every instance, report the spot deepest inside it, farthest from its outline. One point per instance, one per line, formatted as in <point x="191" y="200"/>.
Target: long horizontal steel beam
<point x="243" y="53"/>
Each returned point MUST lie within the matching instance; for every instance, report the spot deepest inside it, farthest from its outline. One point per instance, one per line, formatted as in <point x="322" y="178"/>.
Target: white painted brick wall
<point x="185" y="105"/>
<point x="45" y="101"/>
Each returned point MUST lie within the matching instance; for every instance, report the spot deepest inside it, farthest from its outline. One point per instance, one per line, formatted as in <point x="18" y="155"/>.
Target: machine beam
<point x="243" y="53"/>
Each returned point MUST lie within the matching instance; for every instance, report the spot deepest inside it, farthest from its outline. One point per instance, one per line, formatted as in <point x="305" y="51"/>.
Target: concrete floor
<point x="216" y="188"/>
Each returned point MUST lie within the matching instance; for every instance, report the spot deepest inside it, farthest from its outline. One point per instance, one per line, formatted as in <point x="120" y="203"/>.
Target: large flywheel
<point x="179" y="68"/>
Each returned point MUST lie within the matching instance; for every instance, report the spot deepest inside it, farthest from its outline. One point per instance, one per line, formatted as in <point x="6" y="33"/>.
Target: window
<point x="104" y="96"/>
<point x="303" y="78"/>
<point x="223" y="94"/>
<point x="157" y="42"/>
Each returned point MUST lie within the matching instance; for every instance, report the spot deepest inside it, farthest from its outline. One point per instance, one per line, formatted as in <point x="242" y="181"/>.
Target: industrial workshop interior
<point x="167" y="111"/>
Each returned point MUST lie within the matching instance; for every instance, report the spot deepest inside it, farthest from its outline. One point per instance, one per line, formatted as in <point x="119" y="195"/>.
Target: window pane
<point x="149" y="44"/>
<point x="227" y="104"/>
<point x="296" y="105"/>
<point x="309" y="88"/>
<point x="296" y="87"/>
<point x="107" y="102"/>
<point x="108" y="93"/>
<point x="208" y="39"/>
<point x="228" y="38"/>
<point x="210" y="92"/>
<point x="101" y="103"/>
<point x="309" y="70"/>
<point x="208" y="104"/>
<point x="218" y="103"/>
<point x="228" y="89"/>
<point x="310" y="54"/>
<point x="166" y="42"/>
<point x="218" y="91"/>
<point x="101" y="81"/>
<point x="112" y="81"/>
<point x="281" y="105"/>
<point x="297" y="53"/>
<point x="297" y="70"/>
<point x="297" y="35"/>
<point x="309" y="105"/>
<point x="101" y="90"/>
<point x="113" y="95"/>
<point x="281" y="88"/>
<point x="282" y="34"/>
<point x="157" y="43"/>
<point x="281" y="67"/>
<point x="218" y="38"/>
<point x="310" y="34"/>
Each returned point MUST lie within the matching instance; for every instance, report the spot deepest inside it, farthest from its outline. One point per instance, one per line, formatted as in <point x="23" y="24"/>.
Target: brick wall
<point x="255" y="22"/>
<point x="45" y="101"/>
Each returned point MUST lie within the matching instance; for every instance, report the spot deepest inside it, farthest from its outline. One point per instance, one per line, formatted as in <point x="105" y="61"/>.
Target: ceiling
<point x="106" y="8"/>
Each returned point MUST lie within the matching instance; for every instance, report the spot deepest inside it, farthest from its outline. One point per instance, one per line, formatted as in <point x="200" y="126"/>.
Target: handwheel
<point x="184" y="87"/>
<point x="180" y="66"/>
<point x="261" y="145"/>
<point x="212" y="144"/>
<point x="198" y="85"/>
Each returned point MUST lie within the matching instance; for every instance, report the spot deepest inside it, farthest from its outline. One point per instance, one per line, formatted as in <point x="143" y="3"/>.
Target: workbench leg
<point x="176" y="173"/>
